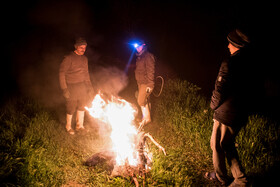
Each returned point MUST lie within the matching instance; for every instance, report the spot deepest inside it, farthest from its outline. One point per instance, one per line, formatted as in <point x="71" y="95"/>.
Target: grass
<point x="36" y="150"/>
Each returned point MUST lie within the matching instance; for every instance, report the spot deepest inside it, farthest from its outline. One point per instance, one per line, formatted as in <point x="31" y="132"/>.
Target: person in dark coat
<point x="230" y="101"/>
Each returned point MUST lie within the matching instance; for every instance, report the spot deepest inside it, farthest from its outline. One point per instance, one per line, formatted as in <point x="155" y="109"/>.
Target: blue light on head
<point x="135" y="45"/>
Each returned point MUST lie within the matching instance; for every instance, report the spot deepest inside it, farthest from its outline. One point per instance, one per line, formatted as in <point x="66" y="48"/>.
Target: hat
<point x="141" y="42"/>
<point x="238" y="39"/>
<point x="80" y="41"/>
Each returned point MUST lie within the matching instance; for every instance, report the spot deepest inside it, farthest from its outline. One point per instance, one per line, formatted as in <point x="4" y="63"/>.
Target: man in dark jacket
<point x="230" y="104"/>
<point x="144" y="75"/>
<point x="75" y="84"/>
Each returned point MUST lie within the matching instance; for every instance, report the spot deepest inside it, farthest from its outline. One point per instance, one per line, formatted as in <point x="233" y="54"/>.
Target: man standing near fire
<point x="145" y="77"/>
<point x="75" y="84"/>
<point x="230" y="102"/>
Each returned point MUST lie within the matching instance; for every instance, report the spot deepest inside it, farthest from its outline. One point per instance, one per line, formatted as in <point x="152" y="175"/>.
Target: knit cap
<point x="80" y="41"/>
<point x="238" y="38"/>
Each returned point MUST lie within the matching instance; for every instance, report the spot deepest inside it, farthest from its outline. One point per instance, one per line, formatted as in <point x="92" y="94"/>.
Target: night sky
<point x="188" y="39"/>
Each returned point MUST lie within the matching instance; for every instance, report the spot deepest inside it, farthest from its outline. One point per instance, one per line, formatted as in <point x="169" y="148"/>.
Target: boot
<point x="146" y="114"/>
<point x="69" y="124"/>
<point x="80" y="120"/>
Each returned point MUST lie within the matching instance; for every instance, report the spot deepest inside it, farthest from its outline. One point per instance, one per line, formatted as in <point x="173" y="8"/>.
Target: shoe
<point x="211" y="176"/>
<point x="71" y="131"/>
<point x="233" y="184"/>
<point x="81" y="130"/>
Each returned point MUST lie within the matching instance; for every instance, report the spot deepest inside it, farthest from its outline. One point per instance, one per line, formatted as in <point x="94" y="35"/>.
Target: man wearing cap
<point x="75" y="84"/>
<point x="144" y="75"/>
<point x="229" y="102"/>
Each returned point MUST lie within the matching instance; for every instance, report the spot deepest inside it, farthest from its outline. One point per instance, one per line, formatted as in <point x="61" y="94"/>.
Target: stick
<point x="157" y="144"/>
<point x="135" y="181"/>
<point x="141" y="126"/>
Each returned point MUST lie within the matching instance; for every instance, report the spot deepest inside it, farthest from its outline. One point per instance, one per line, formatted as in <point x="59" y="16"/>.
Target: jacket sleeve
<point x="150" y="67"/>
<point x="64" y="66"/>
<point x="220" y="91"/>
<point x="87" y="77"/>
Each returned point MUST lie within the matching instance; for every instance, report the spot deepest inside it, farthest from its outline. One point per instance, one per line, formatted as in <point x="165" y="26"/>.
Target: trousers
<point x="142" y="94"/>
<point x="78" y="98"/>
<point x="223" y="147"/>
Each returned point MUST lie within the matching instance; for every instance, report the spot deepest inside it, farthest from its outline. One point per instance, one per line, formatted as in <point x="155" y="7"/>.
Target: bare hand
<point x="66" y="93"/>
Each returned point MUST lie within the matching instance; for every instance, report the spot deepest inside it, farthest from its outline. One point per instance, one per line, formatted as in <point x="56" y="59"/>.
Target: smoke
<point x="38" y="76"/>
<point x="48" y="31"/>
<point x="109" y="80"/>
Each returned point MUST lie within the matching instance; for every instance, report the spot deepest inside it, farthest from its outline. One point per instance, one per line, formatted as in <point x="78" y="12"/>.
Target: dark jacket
<point x="231" y="98"/>
<point x="145" y="69"/>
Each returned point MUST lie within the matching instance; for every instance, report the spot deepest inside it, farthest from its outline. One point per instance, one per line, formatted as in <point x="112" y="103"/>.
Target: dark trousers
<point x="78" y="98"/>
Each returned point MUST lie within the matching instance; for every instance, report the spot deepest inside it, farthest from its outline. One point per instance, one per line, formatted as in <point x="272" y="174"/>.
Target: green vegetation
<point x="36" y="150"/>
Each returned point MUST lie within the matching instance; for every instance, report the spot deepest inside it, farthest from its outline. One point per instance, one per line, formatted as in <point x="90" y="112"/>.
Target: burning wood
<point x="126" y="170"/>
<point x="129" y="156"/>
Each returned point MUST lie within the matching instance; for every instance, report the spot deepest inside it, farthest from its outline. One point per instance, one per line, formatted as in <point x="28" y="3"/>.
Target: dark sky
<point x="187" y="37"/>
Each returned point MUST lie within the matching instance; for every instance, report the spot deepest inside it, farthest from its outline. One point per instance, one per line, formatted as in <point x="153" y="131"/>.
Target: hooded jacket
<point x="145" y="68"/>
<point x="231" y="97"/>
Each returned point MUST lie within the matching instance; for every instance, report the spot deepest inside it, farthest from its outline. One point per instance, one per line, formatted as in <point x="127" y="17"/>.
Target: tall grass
<point x="258" y="145"/>
<point x="184" y="120"/>
<point x="36" y="150"/>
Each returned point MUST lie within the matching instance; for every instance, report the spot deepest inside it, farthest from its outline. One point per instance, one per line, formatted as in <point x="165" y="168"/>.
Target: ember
<point x="129" y="155"/>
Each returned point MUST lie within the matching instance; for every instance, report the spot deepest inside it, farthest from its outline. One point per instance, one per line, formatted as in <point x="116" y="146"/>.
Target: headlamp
<point x="135" y="45"/>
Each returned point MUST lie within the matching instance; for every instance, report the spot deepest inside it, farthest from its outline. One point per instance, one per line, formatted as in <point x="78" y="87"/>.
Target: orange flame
<point x="119" y="114"/>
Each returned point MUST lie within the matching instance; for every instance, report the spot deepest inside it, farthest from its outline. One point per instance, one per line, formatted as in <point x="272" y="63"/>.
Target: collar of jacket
<point x="235" y="53"/>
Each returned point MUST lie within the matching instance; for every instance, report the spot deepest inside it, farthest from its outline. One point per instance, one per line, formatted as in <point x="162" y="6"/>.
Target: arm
<point x="88" y="82"/>
<point x="87" y="77"/>
<point x="64" y="66"/>
<point x="150" y="68"/>
<point x="219" y="94"/>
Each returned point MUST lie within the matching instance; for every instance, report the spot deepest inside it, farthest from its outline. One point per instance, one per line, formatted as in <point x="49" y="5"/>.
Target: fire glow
<point x="119" y="114"/>
<point x="129" y="155"/>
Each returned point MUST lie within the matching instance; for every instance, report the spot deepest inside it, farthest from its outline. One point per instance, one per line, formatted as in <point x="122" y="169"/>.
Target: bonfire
<point x="129" y="155"/>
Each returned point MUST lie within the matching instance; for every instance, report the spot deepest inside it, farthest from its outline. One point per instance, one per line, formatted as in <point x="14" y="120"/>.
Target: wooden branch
<point x="135" y="181"/>
<point x="157" y="144"/>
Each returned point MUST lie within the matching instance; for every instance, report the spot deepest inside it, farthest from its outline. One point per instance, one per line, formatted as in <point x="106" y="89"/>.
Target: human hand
<point x="90" y="92"/>
<point x="148" y="89"/>
<point x="66" y="93"/>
